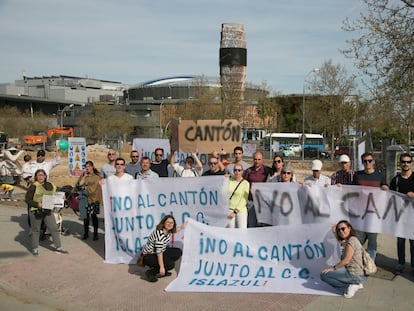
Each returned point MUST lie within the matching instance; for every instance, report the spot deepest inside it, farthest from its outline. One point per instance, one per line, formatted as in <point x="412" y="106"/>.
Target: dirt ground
<point x="98" y="155"/>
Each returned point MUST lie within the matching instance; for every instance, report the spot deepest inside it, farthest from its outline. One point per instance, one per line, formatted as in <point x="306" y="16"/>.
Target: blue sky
<point x="132" y="41"/>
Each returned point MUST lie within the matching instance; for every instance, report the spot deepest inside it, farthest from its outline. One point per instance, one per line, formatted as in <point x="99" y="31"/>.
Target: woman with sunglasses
<point x="157" y="254"/>
<point x="287" y="174"/>
<point x="239" y="192"/>
<point x="347" y="275"/>
<point x="276" y="175"/>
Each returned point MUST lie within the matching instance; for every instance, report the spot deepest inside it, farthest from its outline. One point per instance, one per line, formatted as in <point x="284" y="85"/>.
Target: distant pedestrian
<point x="7" y="191"/>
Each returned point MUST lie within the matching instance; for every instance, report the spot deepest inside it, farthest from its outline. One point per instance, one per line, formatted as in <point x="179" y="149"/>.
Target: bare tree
<point x="384" y="51"/>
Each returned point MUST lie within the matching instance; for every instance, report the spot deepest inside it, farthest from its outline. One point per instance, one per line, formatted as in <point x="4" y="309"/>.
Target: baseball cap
<point x="344" y="158"/>
<point x="316" y="165"/>
<point x="41" y="153"/>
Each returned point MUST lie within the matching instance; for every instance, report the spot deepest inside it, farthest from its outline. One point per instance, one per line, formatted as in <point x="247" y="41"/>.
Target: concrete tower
<point x="233" y="61"/>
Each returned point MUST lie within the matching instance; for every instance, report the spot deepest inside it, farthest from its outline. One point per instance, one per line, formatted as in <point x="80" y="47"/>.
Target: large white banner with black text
<point x="368" y="208"/>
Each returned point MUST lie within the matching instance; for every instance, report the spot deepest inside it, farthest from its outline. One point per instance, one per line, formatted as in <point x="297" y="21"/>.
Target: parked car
<point x="287" y="152"/>
<point x="296" y="148"/>
<point x="340" y="150"/>
<point x="316" y="153"/>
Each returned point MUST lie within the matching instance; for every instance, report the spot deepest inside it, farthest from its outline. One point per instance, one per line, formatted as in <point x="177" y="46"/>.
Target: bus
<point x="314" y="141"/>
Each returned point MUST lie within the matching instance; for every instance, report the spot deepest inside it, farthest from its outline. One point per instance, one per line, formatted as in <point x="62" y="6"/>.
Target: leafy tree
<point x="333" y="112"/>
<point x="17" y="123"/>
<point x="106" y="121"/>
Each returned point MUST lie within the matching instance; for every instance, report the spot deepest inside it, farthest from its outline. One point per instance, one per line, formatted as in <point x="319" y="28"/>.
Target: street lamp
<point x="303" y="111"/>
<point x="62" y="112"/>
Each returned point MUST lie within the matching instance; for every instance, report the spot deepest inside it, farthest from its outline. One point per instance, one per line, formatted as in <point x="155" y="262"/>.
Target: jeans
<point x="341" y="279"/>
<point x="372" y="242"/>
<point x="238" y="221"/>
<point x="401" y="251"/>
<point x="251" y="212"/>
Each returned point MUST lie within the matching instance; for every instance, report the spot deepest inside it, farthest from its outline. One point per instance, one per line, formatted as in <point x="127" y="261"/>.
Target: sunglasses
<point x="212" y="163"/>
<point x="120" y="164"/>
<point x="286" y="173"/>
<point x="367" y="161"/>
<point x="134" y="157"/>
<point x="111" y="154"/>
<point x="277" y="161"/>
<point x="237" y="170"/>
<point x="405" y="162"/>
<point x="342" y="229"/>
<point x="158" y="154"/>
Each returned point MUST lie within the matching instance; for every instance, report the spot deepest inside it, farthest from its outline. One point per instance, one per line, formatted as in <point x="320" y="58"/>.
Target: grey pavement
<point x="81" y="281"/>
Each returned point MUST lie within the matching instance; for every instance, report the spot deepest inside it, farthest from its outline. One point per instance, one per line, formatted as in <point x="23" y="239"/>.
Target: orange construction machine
<point x="40" y="140"/>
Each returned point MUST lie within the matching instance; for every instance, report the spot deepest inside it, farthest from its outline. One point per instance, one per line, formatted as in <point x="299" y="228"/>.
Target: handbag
<point x="140" y="260"/>
<point x="93" y="208"/>
<point x="368" y="264"/>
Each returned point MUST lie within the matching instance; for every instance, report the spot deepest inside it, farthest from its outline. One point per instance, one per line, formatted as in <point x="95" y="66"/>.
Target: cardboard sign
<point x="206" y="136"/>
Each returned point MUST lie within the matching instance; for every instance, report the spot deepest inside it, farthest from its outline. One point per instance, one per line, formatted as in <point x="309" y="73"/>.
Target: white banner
<point x="284" y="259"/>
<point x="134" y="208"/>
<point x="367" y="208"/>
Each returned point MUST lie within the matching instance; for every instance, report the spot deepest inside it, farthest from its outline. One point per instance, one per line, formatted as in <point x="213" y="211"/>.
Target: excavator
<point x="43" y="140"/>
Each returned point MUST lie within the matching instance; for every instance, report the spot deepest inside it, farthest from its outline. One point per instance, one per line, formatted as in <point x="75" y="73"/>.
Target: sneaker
<point x="35" y="252"/>
<point x="60" y="250"/>
<point x="150" y="277"/>
<point x="352" y="289"/>
<point x="168" y="273"/>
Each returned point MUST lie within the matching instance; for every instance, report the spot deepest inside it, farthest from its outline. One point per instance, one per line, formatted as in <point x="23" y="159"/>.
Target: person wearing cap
<point x="345" y="175"/>
<point x="40" y="163"/>
<point x="317" y="178"/>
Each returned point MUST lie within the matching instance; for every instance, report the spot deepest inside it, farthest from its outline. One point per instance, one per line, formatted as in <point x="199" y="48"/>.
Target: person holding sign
<point x="347" y="275"/>
<point x="287" y="174"/>
<point x="157" y="255"/>
<point x="404" y="183"/>
<point x="90" y="195"/>
<point x="239" y="193"/>
<point x="188" y="170"/>
<point x="39" y="197"/>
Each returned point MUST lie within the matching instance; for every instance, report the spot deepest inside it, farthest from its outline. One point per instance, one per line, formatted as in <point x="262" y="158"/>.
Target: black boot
<point x="95" y="227"/>
<point x="85" y="229"/>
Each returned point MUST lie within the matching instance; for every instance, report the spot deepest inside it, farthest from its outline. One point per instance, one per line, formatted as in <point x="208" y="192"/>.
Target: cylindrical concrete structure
<point x="233" y="61"/>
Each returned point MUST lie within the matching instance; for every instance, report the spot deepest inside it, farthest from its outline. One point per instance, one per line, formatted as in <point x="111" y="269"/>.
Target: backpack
<point x="367" y="263"/>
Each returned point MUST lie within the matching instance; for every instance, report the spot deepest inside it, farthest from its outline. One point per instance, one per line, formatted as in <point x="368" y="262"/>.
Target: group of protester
<point x="347" y="275"/>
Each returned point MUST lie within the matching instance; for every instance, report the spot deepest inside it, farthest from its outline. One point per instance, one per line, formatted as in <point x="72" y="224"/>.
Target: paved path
<point x="81" y="281"/>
